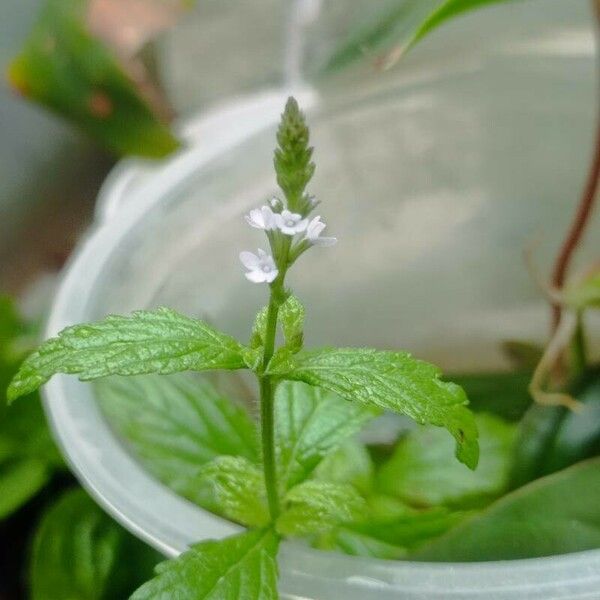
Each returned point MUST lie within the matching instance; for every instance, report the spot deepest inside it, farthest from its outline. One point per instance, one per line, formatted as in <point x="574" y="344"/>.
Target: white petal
<point x="325" y="241"/>
<point x="271" y="275"/>
<point x="267" y="217"/>
<point x="256" y="276"/>
<point x="261" y="255"/>
<point x="249" y="260"/>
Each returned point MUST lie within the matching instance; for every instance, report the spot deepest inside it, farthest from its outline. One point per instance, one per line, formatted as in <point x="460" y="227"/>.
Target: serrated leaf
<point x="259" y="328"/>
<point x="20" y="480"/>
<point x="70" y="71"/>
<point x="176" y="424"/>
<point x="310" y="423"/>
<point x="241" y="566"/>
<point x="234" y="488"/>
<point x="423" y="473"/>
<point x="394" y="27"/>
<point x="159" y="341"/>
<point x="554" y="515"/>
<point x="79" y="552"/>
<point x="393" y="381"/>
<point x="316" y="506"/>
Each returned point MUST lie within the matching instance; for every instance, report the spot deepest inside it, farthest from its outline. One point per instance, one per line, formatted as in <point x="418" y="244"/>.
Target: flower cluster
<point x="289" y="233"/>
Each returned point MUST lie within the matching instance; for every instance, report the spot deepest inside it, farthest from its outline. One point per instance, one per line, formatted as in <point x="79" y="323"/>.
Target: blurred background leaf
<point x="80" y="61"/>
<point x="80" y="552"/>
<point x="389" y="29"/>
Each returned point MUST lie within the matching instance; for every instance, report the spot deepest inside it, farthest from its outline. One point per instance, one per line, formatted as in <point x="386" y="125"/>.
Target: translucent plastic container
<point x="434" y="177"/>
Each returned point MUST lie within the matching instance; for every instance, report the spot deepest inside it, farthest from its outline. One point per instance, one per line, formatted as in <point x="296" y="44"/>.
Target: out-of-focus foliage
<point x="391" y="28"/>
<point x="67" y="66"/>
<point x="28" y="456"/>
<point x="80" y="552"/>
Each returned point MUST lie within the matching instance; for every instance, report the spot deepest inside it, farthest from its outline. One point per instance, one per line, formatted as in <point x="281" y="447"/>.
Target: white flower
<point x="261" y="268"/>
<point x="261" y="218"/>
<point x="290" y="223"/>
<point x="313" y="233"/>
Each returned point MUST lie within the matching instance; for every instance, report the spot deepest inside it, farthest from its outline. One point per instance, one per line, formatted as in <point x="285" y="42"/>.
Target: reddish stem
<point x="582" y="215"/>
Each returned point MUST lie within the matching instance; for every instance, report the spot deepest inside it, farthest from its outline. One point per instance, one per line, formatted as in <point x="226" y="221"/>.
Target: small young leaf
<point x="79" y="552"/>
<point x="234" y="488"/>
<point x="176" y="424"/>
<point x="316" y="506"/>
<point x="160" y="341"/>
<point x="291" y="314"/>
<point x="554" y="515"/>
<point x="423" y="473"/>
<point x="291" y="319"/>
<point x="310" y="423"/>
<point x="239" y="567"/>
<point x="391" y="380"/>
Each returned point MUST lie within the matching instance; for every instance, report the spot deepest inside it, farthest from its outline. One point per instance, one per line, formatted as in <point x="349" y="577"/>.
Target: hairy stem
<point x="267" y="397"/>
<point x="583" y="213"/>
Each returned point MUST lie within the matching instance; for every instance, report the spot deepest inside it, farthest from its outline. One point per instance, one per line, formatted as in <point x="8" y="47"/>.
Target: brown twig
<point x="584" y="210"/>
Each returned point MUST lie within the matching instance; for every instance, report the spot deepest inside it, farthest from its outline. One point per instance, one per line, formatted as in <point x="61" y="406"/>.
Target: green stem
<point x="267" y="399"/>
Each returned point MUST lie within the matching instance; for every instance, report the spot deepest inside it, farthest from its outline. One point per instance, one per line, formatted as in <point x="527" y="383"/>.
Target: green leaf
<point x="578" y="436"/>
<point x="316" y="506"/>
<point x="176" y="424"/>
<point x="357" y="544"/>
<point x="503" y="394"/>
<point x="28" y="455"/>
<point x="390" y="538"/>
<point x="24" y="433"/>
<point x="310" y="423"/>
<point x="553" y="437"/>
<point x="241" y="566"/>
<point x="67" y="69"/>
<point x="292" y="160"/>
<point x="393" y="381"/>
<point x="394" y="27"/>
<point x="20" y="480"/>
<point x="351" y="464"/>
<point x="79" y="552"/>
<point x="554" y="515"/>
<point x="422" y="471"/>
<point x="291" y="315"/>
<point x="160" y="341"/>
<point x="411" y="530"/>
<point x="234" y="488"/>
<point x="258" y="330"/>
